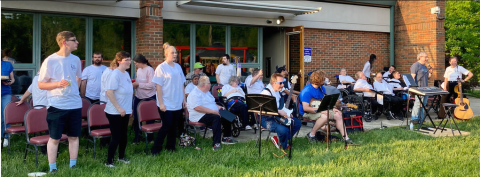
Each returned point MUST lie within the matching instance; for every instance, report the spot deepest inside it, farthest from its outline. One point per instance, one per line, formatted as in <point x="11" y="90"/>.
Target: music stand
<point x="328" y="103"/>
<point x="263" y="104"/>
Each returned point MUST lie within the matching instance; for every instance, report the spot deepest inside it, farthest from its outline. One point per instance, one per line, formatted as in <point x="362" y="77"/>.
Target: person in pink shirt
<point x="144" y="89"/>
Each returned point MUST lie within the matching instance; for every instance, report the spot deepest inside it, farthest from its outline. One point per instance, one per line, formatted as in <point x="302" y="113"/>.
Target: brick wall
<point x="149" y="31"/>
<point x="336" y="49"/>
<point x="416" y="30"/>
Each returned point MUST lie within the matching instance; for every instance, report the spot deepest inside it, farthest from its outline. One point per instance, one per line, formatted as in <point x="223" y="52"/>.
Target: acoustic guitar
<point x="463" y="111"/>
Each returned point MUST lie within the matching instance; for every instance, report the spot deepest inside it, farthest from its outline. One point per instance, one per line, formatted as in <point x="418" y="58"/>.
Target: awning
<point x="248" y="5"/>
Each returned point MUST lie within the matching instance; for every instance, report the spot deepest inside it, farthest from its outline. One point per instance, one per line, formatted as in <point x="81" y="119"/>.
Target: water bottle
<point x="66" y="89"/>
<point x="411" y="126"/>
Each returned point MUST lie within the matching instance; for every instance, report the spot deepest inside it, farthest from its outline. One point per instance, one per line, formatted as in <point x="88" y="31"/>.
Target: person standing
<point x="119" y="107"/>
<point x="169" y="80"/>
<point x="145" y="88"/>
<point x="225" y="70"/>
<point x="420" y="74"/>
<point x="454" y="72"/>
<point x="7" y="71"/>
<point x="91" y="79"/>
<point x="104" y="79"/>
<point x="367" y="68"/>
<point x="60" y="75"/>
<point x="198" y="70"/>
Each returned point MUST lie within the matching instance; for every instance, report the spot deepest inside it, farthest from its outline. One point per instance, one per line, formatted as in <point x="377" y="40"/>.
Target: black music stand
<point x="263" y="104"/>
<point x="327" y="104"/>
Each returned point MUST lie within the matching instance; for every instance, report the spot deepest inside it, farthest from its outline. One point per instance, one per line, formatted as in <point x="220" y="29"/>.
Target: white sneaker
<point x="248" y="127"/>
<point x="5" y="142"/>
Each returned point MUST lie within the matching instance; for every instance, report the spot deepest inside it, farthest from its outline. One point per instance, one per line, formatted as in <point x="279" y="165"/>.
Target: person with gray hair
<point x="420" y="74"/>
<point x="254" y="82"/>
<point x="236" y="101"/>
<point x="202" y="108"/>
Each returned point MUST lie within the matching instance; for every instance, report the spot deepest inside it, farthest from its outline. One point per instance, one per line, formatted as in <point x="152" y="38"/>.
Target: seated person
<point x="363" y="86"/>
<point x="190" y="86"/>
<point x="236" y="101"/>
<point x="315" y="90"/>
<point x="345" y="80"/>
<point x="388" y="95"/>
<point x="386" y="75"/>
<point x="397" y="82"/>
<point x="202" y="108"/>
<point x="270" y="122"/>
<point x="254" y="82"/>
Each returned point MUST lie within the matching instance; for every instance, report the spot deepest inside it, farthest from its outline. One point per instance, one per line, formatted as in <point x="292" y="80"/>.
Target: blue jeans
<point x="5" y="100"/>
<point x="418" y="110"/>
<point x="282" y="131"/>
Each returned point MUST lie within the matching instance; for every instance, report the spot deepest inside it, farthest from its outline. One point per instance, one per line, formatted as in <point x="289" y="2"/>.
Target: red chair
<point x="194" y="125"/>
<point x="85" y="105"/>
<point x="147" y="110"/>
<point x="14" y="98"/>
<point x="31" y="103"/>
<point x="215" y="91"/>
<point x="36" y="122"/>
<point x="96" y="117"/>
<point x="13" y="115"/>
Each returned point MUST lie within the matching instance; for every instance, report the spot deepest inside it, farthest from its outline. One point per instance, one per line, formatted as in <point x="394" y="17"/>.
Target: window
<point x="23" y="79"/>
<point x="17" y="36"/>
<point x="178" y="35"/>
<point x="52" y="25"/>
<point x="244" y="43"/>
<point x="110" y="37"/>
<point x="210" y="46"/>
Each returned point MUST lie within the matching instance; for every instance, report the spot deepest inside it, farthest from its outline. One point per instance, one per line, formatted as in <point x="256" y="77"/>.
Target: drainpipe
<point x="392" y="35"/>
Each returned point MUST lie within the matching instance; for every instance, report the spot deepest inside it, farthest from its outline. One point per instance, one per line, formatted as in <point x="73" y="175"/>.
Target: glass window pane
<point x="178" y="35"/>
<point x="23" y="79"/>
<point x="244" y="43"/>
<point x="52" y="25"/>
<point x="17" y="36"/>
<point x="210" y="46"/>
<point x="110" y="37"/>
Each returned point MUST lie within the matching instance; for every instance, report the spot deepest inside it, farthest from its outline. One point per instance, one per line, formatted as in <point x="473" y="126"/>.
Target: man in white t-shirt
<point x="254" y="82"/>
<point x="363" y="86"/>
<point x="60" y="74"/>
<point x="388" y="96"/>
<point x="386" y="75"/>
<point x="344" y="79"/>
<point x="39" y="97"/>
<point x="453" y="72"/>
<point x="224" y="71"/>
<point x="202" y="108"/>
<point x="91" y="78"/>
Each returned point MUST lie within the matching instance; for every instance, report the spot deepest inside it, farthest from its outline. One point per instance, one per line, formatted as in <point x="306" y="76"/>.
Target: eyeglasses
<point x="281" y="83"/>
<point x="73" y="40"/>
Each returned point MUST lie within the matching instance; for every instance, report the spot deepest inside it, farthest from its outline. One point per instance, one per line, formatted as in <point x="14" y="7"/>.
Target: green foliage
<point x="52" y="25"/>
<point x="473" y="93"/>
<point x="462" y="33"/>
<point x="111" y="36"/>
<point x="17" y="35"/>
<point x="387" y="152"/>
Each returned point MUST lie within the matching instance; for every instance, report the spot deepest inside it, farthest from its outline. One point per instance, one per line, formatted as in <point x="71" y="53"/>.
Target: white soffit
<point x="248" y="5"/>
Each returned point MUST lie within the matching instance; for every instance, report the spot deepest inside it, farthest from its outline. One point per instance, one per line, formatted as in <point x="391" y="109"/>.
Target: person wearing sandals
<point x="315" y="90"/>
<point x="169" y="80"/>
<point x="119" y="107"/>
<point x="144" y="89"/>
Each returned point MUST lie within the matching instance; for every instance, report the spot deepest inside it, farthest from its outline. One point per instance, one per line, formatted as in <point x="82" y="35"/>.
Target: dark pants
<point x="240" y="109"/>
<point x="168" y="130"/>
<point x="216" y="122"/>
<point x="119" y="128"/>
<point x="373" y="103"/>
<point x="136" y="129"/>
<point x="92" y="100"/>
<point x="394" y="102"/>
<point x="282" y="131"/>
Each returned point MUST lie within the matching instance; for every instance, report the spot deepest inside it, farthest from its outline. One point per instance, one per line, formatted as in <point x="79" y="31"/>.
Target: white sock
<point x="311" y="135"/>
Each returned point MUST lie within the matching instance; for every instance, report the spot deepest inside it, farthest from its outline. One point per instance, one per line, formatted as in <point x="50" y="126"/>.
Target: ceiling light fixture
<point x="280" y="20"/>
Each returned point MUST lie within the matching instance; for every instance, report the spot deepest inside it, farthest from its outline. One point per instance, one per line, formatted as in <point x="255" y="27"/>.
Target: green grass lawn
<point x="474" y="93"/>
<point x="387" y="152"/>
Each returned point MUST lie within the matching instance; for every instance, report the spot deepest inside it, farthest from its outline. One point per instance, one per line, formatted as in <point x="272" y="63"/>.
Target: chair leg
<point x="25" y="156"/>
<point x="268" y="136"/>
<point x="146" y="143"/>
<point x="94" y="147"/>
<point x="195" y="132"/>
<point x="205" y="133"/>
<point x="456" y="126"/>
<point x="9" y="142"/>
<point x="3" y="139"/>
<point x="36" y="155"/>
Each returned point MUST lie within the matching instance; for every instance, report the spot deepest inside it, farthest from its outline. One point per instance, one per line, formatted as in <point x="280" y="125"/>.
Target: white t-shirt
<point x="275" y="94"/>
<point x="386" y="74"/>
<point x="227" y="88"/>
<point x="199" y="98"/>
<point x="39" y="97"/>
<point x="395" y="83"/>
<point x="122" y="87"/>
<point x="366" y="69"/>
<point x="104" y="78"/>
<point x="93" y="75"/>
<point x="342" y="78"/>
<point x="189" y="88"/>
<point x="453" y="73"/>
<point x="364" y="84"/>
<point x="225" y="72"/>
<point x="383" y="87"/>
<point x="171" y="79"/>
<point x="255" y="88"/>
<point x="54" y="69"/>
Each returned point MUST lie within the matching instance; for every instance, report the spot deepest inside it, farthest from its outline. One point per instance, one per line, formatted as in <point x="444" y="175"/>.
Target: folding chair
<point x="13" y="115"/>
<point x="194" y="125"/>
<point x="147" y="110"/>
<point x="85" y="105"/>
<point x="36" y="122"/>
<point x="96" y="117"/>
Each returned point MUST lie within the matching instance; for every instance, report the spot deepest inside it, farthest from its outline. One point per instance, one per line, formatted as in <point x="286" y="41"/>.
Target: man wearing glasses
<point x="269" y="122"/>
<point x="197" y="70"/>
<point x="420" y="74"/>
<point x="60" y="74"/>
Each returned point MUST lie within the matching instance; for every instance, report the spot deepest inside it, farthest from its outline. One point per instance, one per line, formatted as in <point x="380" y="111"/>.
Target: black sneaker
<point x="53" y="171"/>
<point x="228" y="140"/>
<point x="311" y="139"/>
<point x="217" y="147"/>
<point x="124" y="160"/>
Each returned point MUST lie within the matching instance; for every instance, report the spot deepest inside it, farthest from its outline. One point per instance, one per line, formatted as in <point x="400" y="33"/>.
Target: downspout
<point x="392" y="35"/>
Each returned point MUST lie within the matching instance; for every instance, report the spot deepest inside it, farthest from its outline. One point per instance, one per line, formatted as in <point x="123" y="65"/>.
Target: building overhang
<point x="248" y="5"/>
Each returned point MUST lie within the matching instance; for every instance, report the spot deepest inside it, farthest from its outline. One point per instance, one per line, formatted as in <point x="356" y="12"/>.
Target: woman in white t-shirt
<point x="169" y="80"/>
<point x="119" y="106"/>
<point x="190" y="86"/>
<point x="104" y="79"/>
<point x="236" y="101"/>
<point x="367" y="68"/>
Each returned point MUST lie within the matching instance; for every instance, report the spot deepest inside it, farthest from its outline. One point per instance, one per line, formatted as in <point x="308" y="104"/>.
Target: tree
<point x="462" y="34"/>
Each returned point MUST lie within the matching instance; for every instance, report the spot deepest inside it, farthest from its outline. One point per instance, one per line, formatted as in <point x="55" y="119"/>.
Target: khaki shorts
<point x="318" y="115"/>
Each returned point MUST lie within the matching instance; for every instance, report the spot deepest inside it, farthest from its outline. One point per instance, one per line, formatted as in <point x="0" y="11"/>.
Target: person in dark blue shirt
<point x="315" y="91"/>
<point x="7" y="71"/>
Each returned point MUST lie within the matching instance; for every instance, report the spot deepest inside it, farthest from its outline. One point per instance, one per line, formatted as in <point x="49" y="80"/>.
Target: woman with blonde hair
<point x="169" y="80"/>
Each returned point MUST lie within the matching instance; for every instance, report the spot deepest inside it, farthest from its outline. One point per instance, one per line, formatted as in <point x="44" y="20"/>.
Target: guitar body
<point x="463" y="112"/>
<point x="315" y="103"/>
